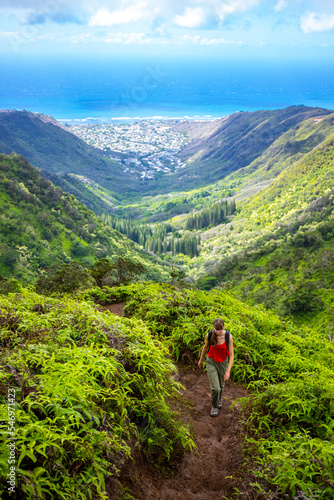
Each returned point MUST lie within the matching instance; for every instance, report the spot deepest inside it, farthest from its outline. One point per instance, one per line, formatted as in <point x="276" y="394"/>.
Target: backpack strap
<point x="227" y="338"/>
<point x="209" y="337"/>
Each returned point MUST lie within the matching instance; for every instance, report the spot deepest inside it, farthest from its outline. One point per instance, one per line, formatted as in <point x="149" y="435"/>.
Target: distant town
<point x="146" y="147"/>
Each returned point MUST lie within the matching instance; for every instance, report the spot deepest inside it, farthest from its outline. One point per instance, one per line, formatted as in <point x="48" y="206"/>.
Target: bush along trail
<point x="100" y="412"/>
<point x="214" y="468"/>
<point x="218" y="443"/>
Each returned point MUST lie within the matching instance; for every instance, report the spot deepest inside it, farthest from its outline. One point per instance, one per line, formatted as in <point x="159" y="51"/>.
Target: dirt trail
<point x="202" y="474"/>
<point x="115" y="308"/>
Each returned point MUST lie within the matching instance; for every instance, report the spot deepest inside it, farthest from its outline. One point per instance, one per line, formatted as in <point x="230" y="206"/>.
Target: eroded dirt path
<point x="115" y="308"/>
<point x="203" y="473"/>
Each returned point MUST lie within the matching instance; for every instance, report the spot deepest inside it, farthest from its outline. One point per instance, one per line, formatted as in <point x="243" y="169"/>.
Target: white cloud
<point x="212" y="11"/>
<point x="10" y="34"/>
<point x="105" y="17"/>
<point x="316" y="23"/>
<point x="234" y="7"/>
<point x="99" y="13"/>
<point x="192" y="18"/>
<point x="82" y="38"/>
<point x="138" y="39"/>
<point x="281" y="4"/>
<point x="198" y="40"/>
<point x="127" y="38"/>
<point x="113" y="38"/>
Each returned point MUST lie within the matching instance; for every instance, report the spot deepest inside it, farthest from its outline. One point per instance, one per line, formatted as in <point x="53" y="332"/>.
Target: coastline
<point x="128" y="119"/>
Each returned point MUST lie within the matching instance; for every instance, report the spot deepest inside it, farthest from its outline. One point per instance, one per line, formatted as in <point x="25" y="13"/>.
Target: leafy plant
<point x="88" y="386"/>
<point x="289" y="431"/>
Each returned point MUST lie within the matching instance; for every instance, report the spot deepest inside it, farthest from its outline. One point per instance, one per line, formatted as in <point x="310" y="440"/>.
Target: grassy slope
<point x="51" y="147"/>
<point x="288" y="148"/>
<point x="40" y="225"/>
<point x="281" y="241"/>
<point x="281" y="154"/>
<point x="88" y="192"/>
<point x="239" y="141"/>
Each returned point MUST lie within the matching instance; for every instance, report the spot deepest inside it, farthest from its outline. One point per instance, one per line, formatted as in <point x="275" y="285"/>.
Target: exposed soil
<point x="202" y="474"/>
<point x="211" y="471"/>
<point x="115" y="308"/>
<point x="206" y="472"/>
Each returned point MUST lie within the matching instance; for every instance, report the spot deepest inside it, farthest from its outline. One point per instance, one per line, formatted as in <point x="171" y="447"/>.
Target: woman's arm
<point x="230" y="363"/>
<point x="204" y="350"/>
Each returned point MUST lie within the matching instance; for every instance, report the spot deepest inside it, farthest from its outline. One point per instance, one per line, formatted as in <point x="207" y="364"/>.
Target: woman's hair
<point x="218" y="325"/>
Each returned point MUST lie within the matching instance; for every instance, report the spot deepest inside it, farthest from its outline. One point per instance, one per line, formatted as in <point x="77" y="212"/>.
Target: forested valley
<point x="105" y="302"/>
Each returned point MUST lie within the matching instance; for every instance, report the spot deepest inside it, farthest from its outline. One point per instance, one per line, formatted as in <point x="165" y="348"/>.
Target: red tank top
<point x="218" y="352"/>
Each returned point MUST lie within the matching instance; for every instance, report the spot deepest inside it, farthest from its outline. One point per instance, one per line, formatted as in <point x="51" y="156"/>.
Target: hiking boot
<point x="214" y="412"/>
<point x="220" y="403"/>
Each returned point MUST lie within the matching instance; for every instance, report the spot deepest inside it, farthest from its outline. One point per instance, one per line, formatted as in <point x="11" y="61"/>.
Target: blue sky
<point x="280" y="27"/>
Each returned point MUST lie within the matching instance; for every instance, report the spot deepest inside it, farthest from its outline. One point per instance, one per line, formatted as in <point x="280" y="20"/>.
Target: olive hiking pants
<point x="216" y="371"/>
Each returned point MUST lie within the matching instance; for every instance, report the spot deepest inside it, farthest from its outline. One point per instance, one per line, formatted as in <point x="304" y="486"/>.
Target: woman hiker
<point x="219" y="361"/>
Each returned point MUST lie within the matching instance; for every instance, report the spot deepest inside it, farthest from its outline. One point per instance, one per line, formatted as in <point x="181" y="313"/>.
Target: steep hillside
<point x="238" y="140"/>
<point x="278" y="250"/>
<point x="289" y="147"/>
<point x="261" y="142"/>
<point x="52" y="147"/>
<point x="99" y="413"/>
<point x="40" y="226"/>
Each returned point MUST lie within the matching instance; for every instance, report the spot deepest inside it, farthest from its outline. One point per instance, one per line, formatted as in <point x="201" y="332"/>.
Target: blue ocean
<point x="118" y="89"/>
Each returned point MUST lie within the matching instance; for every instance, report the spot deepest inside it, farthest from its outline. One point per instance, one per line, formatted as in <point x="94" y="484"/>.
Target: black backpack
<point x="227" y="338"/>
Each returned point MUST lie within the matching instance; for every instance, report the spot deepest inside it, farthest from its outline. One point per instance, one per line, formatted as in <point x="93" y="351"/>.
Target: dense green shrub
<point x="207" y="282"/>
<point x="301" y="299"/>
<point x="9" y="285"/>
<point x="63" y="278"/>
<point x="290" y="417"/>
<point x="88" y="386"/>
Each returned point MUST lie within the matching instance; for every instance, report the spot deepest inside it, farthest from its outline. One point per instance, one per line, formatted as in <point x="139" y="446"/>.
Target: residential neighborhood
<point x="147" y="146"/>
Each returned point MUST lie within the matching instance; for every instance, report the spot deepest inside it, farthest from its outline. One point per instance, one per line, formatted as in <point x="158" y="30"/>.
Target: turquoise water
<point x="117" y="89"/>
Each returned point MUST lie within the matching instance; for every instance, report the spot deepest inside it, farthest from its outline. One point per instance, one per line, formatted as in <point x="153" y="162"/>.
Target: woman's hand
<point x="200" y="364"/>
<point x="227" y="375"/>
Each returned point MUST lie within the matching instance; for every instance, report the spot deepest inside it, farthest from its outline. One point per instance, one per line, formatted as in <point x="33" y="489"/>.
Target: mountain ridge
<point x="42" y="226"/>
<point x="50" y="146"/>
<point x="279" y="251"/>
<point x="215" y="150"/>
<point x="241" y="138"/>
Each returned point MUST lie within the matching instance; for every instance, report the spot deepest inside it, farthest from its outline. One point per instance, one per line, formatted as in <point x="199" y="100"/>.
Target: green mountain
<point x="41" y="226"/>
<point x="287" y="149"/>
<point x="242" y="138"/>
<point x="262" y="142"/>
<point x="290" y="147"/>
<point x="278" y="249"/>
<point x="58" y="152"/>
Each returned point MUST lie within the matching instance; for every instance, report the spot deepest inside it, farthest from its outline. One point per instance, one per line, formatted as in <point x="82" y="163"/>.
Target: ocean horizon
<point x="115" y="90"/>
